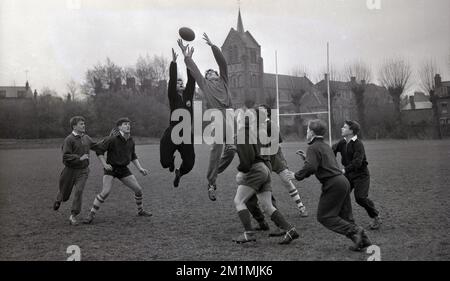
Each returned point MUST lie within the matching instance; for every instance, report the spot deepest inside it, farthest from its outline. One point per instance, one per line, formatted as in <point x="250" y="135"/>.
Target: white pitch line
<point x="309" y="113"/>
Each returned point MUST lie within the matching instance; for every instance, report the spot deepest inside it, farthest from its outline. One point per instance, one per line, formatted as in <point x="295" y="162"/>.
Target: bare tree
<point x="358" y="69"/>
<point x="336" y="74"/>
<point x="394" y="75"/>
<point x="296" y="101"/>
<point x="300" y="71"/>
<point x="427" y="73"/>
<point x="359" y="74"/>
<point x="101" y="75"/>
<point x="72" y="88"/>
<point x="144" y="69"/>
<point x="160" y="67"/>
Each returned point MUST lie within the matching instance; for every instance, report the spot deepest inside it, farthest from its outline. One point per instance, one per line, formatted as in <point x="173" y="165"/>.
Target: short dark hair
<point x="122" y="120"/>
<point x="268" y="109"/>
<point x="318" y="126"/>
<point x="211" y="70"/>
<point x="353" y="125"/>
<point x="75" y="119"/>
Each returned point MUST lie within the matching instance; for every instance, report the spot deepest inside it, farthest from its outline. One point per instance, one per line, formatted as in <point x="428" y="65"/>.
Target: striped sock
<point x="296" y="197"/>
<point x="138" y="199"/>
<point x="97" y="202"/>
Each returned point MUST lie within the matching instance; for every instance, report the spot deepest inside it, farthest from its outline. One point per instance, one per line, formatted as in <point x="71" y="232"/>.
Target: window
<point x="252" y="56"/>
<point x="443" y="121"/>
<point x="2" y="94"/>
<point x="444" y="107"/>
<point x="235" y="54"/>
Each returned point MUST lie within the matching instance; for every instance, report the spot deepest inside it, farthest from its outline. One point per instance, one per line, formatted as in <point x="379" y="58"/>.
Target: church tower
<point x="245" y="65"/>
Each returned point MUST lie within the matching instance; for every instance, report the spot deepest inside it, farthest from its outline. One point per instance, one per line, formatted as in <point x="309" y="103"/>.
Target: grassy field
<point x="410" y="186"/>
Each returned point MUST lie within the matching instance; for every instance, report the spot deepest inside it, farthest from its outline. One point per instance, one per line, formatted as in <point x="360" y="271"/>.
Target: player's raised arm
<point x="190" y="64"/>
<point x="220" y="59"/>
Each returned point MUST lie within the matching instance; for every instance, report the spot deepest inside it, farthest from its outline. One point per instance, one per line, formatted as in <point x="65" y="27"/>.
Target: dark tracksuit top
<point x="175" y="100"/>
<point x="73" y="148"/>
<point x="334" y="209"/>
<point x="320" y="161"/>
<point x="76" y="171"/>
<point x="353" y="158"/>
<point x="120" y="151"/>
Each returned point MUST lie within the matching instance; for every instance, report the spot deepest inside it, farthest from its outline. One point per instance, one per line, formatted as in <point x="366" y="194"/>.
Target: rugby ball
<point x="186" y="34"/>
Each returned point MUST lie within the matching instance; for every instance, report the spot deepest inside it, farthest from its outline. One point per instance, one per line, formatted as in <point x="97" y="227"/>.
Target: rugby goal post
<point x="306" y="113"/>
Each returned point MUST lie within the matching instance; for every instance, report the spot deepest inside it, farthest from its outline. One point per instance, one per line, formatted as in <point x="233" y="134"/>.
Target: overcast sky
<point x="58" y="40"/>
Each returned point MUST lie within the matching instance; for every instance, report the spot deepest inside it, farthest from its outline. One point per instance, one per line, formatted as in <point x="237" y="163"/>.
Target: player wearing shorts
<point x="253" y="178"/>
<point x="120" y="151"/>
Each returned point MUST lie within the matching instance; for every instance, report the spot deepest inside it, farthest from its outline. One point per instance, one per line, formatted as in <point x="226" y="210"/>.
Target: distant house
<point x="16" y="92"/>
<point x="443" y="102"/>
<point x="343" y="104"/>
<point x="417" y="109"/>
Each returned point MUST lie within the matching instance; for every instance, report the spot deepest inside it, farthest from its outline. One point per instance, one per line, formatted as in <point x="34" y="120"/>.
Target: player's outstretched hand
<point x="206" y="38"/>
<point x="290" y="175"/>
<point x="143" y="171"/>
<point x="301" y="153"/>
<point x="190" y="51"/>
<point x="174" y="56"/>
<point x="182" y="47"/>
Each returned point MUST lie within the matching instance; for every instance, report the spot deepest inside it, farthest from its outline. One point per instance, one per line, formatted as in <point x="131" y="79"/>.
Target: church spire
<point x="240" y="26"/>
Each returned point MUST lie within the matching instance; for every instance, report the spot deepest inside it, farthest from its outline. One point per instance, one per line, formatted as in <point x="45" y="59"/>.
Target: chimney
<point x="325" y="77"/>
<point x="437" y="81"/>
<point x="35" y="94"/>
<point x="27" y="86"/>
<point x="353" y="79"/>
<point x="131" y="83"/>
<point x="411" y="101"/>
<point x="118" y="83"/>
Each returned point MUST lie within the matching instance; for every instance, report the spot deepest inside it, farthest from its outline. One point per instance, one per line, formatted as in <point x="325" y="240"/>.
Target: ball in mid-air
<point x="186" y="34"/>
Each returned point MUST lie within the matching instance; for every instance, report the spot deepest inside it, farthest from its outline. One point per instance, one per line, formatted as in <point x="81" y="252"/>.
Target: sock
<point x="97" y="202"/>
<point x="293" y="192"/>
<point x="244" y="216"/>
<point x="280" y="221"/>
<point x="295" y="196"/>
<point x="138" y="199"/>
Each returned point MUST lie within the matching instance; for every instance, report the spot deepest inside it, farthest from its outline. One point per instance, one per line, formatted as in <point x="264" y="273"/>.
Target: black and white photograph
<point x="221" y="131"/>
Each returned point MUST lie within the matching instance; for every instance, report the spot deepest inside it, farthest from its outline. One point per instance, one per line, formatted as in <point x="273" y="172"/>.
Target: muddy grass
<point x="410" y="187"/>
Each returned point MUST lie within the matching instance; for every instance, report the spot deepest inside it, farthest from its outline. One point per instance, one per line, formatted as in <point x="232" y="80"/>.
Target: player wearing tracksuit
<point x="179" y="98"/>
<point x="334" y="210"/>
<point x="75" y="158"/>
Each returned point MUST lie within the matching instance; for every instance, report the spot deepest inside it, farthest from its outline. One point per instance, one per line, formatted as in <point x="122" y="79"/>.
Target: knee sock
<point x="97" y="202"/>
<point x="280" y="221"/>
<point x="138" y="198"/>
<point x="244" y="216"/>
